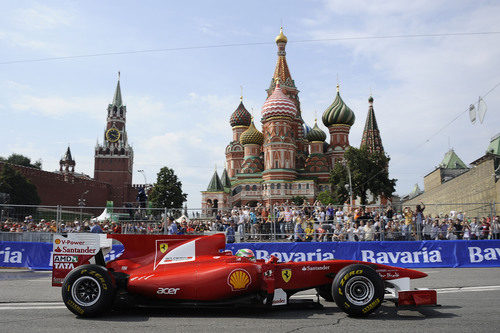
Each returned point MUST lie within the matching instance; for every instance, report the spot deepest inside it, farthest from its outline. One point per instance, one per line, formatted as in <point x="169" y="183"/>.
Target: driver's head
<point x="246" y="253"/>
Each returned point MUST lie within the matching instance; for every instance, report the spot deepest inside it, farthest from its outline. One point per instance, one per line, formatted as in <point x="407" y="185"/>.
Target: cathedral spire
<point x="117" y="98"/>
<point x="371" y="134"/>
<point x="281" y="71"/>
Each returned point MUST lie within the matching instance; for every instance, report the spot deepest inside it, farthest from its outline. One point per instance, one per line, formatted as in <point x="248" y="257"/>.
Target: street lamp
<point x="144" y="175"/>
<point x="81" y="203"/>
<point x="349" y="187"/>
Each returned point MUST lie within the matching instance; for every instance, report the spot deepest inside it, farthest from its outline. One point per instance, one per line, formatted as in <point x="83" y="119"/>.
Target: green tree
<point x="167" y="191"/>
<point x="22" y="160"/>
<point x="298" y="200"/>
<point x="18" y="187"/>
<point x="369" y="172"/>
<point x="325" y="197"/>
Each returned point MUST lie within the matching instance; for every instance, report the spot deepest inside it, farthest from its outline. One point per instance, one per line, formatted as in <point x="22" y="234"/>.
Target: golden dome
<point x="252" y="136"/>
<point x="281" y="38"/>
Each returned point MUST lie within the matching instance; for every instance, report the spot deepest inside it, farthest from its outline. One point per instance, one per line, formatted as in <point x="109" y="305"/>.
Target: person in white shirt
<point x="369" y="232"/>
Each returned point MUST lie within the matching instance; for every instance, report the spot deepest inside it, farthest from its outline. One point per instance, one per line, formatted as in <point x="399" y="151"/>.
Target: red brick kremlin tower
<point x="114" y="158"/>
<point x="286" y="159"/>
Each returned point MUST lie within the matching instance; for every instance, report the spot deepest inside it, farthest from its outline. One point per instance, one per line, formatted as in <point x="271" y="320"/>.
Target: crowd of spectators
<point x="289" y="222"/>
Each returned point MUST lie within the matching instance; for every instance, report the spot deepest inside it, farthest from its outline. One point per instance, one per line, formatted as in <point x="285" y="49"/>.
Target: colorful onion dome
<point x="281" y="38"/>
<point x="316" y="134"/>
<point x="338" y="113"/>
<point x="306" y="128"/>
<point x="252" y="136"/>
<point x="240" y="116"/>
<point x="278" y="105"/>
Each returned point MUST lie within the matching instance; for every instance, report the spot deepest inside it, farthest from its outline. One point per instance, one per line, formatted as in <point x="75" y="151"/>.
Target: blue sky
<point x="179" y="102"/>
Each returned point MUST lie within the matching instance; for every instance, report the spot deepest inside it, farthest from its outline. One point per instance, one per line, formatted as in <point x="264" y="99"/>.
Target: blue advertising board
<point x="482" y="253"/>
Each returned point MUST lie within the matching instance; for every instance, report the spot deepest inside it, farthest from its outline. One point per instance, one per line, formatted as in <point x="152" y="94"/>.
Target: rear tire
<point x="358" y="290"/>
<point x="88" y="291"/>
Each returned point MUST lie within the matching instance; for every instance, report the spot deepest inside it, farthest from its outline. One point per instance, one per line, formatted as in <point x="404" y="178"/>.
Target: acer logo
<point x="167" y="291"/>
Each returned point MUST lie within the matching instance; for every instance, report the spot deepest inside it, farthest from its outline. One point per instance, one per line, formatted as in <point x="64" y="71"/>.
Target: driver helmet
<point x="246" y="253"/>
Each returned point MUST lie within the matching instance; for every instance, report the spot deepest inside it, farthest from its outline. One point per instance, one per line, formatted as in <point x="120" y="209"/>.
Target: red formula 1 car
<point x="159" y="270"/>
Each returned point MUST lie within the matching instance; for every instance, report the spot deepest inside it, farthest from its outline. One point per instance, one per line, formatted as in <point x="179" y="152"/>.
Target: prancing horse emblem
<point x="286" y="274"/>
<point x="163" y="247"/>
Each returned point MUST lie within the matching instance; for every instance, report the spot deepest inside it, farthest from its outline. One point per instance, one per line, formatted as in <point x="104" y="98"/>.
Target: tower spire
<point x="371" y="134"/>
<point x="117" y="98"/>
<point x="281" y="71"/>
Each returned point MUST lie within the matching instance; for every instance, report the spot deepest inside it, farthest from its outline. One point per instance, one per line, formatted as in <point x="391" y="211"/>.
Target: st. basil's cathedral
<point x="288" y="158"/>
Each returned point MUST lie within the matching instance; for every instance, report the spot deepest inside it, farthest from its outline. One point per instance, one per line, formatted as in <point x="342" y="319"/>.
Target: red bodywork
<point x="212" y="274"/>
<point x="197" y="268"/>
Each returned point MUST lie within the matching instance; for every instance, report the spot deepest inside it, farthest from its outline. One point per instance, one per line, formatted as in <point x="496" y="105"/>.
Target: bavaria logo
<point x="318" y="255"/>
<point x="403" y="257"/>
<point x="476" y="254"/>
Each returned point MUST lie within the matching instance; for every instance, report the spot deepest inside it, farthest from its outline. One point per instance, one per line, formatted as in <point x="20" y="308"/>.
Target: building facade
<point x="455" y="187"/>
<point x="287" y="158"/>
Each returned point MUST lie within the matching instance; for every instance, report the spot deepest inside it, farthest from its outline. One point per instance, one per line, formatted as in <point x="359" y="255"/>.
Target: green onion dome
<point x="252" y="136"/>
<point x="240" y="116"/>
<point x="316" y="134"/>
<point x="338" y="113"/>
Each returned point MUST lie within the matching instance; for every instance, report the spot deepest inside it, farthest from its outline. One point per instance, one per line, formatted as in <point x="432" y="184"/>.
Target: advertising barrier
<point x="421" y="254"/>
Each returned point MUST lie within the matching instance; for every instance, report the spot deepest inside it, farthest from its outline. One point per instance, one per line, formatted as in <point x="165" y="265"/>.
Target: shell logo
<point x="57" y="241"/>
<point x="239" y="279"/>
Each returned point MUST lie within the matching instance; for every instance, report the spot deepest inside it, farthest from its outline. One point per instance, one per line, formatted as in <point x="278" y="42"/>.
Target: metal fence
<point x="286" y="222"/>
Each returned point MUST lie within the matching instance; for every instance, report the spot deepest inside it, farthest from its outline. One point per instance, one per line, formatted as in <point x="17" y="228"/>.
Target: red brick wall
<point x="54" y="190"/>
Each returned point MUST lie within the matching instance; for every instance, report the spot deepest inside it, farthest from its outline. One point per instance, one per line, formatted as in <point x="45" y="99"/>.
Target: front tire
<point x="88" y="291"/>
<point x="358" y="290"/>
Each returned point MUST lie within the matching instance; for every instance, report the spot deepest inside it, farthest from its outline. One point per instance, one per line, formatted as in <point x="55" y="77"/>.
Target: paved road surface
<point x="470" y="300"/>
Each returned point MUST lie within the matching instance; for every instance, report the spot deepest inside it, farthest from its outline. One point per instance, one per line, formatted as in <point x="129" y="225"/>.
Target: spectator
<point x="96" y="228"/>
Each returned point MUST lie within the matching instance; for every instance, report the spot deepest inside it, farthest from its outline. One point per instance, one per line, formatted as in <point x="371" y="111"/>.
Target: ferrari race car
<point x="160" y="270"/>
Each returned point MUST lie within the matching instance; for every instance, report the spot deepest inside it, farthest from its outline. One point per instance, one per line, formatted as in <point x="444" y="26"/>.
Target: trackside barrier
<point x="418" y="254"/>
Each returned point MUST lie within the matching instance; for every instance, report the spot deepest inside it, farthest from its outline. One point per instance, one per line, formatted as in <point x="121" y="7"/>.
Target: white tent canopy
<point x="182" y="217"/>
<point x="104" y="216"/>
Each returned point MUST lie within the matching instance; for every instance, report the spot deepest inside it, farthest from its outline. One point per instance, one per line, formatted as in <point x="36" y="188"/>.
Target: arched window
<point x="278" y="186"/>
<point x="307" y="186"/>
<point x="247" y="188"/>
<point x="299" y="186"/>
<point x="254" y="188"/>
<point x="272" y="186"/>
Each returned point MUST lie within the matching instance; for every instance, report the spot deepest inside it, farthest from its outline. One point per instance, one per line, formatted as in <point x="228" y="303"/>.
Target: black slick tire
<point x="88" y="291"/>
<point x="358" y="290"/>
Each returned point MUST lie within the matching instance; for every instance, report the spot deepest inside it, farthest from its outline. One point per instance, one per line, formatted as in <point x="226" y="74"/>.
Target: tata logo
<point x="286" y="274"/>
<point x="163" y="247"/>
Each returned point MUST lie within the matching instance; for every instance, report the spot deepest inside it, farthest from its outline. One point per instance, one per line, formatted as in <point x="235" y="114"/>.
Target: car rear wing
<point x="73" y="250"/>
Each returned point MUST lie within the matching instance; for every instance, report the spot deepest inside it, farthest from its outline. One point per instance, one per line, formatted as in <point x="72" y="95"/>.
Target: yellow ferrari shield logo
<point x="163" y="247"/>
<point x="286" y="274"/>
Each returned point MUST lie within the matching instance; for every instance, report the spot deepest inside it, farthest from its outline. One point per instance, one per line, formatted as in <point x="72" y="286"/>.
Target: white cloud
<point x="41" y="17"/>
<point x="421" y="84"/>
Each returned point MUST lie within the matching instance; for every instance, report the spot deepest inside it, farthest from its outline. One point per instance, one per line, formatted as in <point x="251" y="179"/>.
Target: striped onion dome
<point x="306" y="128"/>
<point x="338" y="113"/>
<point x="278" y="105"/>
<point x="252" y="136"/>
<point x="240" y="116"/>
<point x="316" y="134"/>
